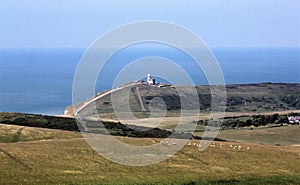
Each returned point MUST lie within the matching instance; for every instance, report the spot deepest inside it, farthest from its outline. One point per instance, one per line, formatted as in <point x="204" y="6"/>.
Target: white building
<point x="294" y="119"/>
<point x="150" y="80"/>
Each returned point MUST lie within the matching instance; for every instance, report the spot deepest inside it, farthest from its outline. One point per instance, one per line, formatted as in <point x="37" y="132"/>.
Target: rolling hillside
<point x="265" y="97"/>
<point x="72" y="161"/>
<point x="38" y="149"/>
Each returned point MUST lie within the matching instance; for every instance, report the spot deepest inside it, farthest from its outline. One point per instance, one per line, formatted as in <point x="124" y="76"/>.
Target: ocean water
<point x="40" y="80"/>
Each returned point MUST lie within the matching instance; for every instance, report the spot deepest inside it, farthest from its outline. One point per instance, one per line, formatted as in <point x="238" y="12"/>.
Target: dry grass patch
<point x="286" y="135"/>
<point x="72" y="161"/>
<point x="12" y="133"/>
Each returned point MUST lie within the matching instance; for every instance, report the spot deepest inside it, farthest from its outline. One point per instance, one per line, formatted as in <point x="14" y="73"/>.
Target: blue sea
<point x="40" y="80"/>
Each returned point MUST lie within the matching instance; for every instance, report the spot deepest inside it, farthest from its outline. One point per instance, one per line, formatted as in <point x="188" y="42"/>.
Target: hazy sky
<point x="74" y="23"/>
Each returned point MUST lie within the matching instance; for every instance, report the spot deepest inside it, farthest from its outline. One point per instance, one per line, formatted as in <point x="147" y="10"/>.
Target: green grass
<point x="31" y="155"/>
<point x="278" y="180"/>
<point x="265" y="97"/>
<point x="12" y="133"/>
<point x="285" y="135"/>
<point x="72" y="161"/>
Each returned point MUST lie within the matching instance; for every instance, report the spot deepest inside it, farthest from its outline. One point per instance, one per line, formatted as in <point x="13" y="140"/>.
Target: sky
<point x="219" y="23"/>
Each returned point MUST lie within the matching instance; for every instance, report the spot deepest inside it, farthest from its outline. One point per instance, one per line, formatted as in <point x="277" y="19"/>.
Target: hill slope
<point x="240" y="98"/>
<point x="72" y="161"/>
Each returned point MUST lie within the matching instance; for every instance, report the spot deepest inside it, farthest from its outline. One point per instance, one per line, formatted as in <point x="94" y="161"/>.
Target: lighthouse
<point x="150" y="81"/>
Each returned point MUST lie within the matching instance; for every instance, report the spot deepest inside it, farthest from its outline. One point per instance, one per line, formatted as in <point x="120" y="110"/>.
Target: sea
<point x="40" y="80"/>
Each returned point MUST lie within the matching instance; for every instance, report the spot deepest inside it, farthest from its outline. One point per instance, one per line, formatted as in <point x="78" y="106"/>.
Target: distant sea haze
<point x="40" y="80"/>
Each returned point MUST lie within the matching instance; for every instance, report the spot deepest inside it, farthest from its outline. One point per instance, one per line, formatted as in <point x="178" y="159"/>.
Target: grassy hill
<point x="72" y="161"/>
<point x="278" y="136"/>
<point x="38" y="149"/>
<point x="13" y="120"/>
<point x="34" y="155"/>
<point x="13" y="133"/>
<point x="240" y="98"/>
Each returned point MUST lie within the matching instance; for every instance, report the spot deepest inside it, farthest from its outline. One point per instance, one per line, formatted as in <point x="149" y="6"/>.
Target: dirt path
<point x="140" y="98"/>
<point x="18" y="134"/>
<point x="15" y="159"/>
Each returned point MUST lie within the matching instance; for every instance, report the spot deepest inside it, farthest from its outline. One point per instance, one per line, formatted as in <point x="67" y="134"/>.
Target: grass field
<point x="286" y="135"/>
<point x="64" y="158"/>
<point x="12" y="133"/>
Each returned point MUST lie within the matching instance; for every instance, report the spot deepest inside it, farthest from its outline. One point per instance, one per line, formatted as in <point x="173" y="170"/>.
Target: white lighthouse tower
<point x="150" y="81"/>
